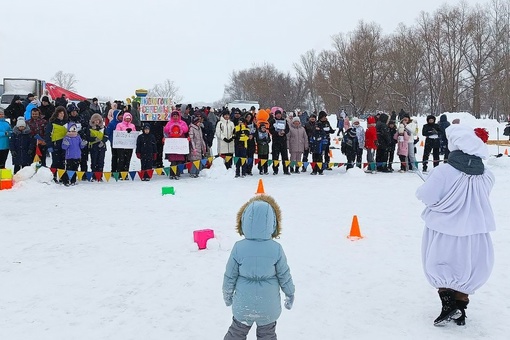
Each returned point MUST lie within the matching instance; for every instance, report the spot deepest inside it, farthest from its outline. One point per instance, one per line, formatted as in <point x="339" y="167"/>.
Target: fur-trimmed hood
<point x="259" y="218"/>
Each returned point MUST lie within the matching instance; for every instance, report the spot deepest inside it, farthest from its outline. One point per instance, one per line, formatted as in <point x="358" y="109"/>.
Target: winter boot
<point x="462" y="305"/>
<point x="449" y="310"/>
<point x="303" y="169"/>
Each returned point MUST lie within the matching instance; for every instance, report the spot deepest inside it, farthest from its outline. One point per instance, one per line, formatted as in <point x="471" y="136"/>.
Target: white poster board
<point x="124" y="139"/>
<point x="179" y="146"/>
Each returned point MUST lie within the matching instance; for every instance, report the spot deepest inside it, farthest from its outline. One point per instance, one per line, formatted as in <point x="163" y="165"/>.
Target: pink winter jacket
<point x="123" y="126"/>
<point x="402" y="141"/>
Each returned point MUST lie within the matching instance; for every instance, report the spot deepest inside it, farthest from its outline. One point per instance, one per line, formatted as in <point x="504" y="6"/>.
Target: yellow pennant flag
<point x="123" y="174"/>
<point x="287" y="163"/>
<point x="228" y="158"/>
<point x="319" y="165"/>
<point x="299" y="164"/>
<point x="36" y="159"/>
<point x="330" y="165"/>
<point x="210" y="159"/>
<point x="174" y="169"/>
<point x="263" y="161"/>
<point x="107" y="176"/>
<point x="276" y="163"/>
<point x="196" y="164"/>
<point x="243" y="160"/>
<point x="58" y="132"/>
<point x="80" y="174"/>
<point x="159" y="171"/>
<point x="60" y="173"/>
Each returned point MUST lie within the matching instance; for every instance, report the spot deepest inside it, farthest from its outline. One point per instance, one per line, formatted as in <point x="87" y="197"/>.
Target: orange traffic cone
<point x="421" y="143"/>
<point x="260" y="188"/>
<point x="330" y="154"/>
<point x="355" y="234"/>
<point x="506" y="152"/>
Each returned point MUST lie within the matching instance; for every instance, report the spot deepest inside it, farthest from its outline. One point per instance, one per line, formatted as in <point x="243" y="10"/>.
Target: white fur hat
<point x="21" y="122"/>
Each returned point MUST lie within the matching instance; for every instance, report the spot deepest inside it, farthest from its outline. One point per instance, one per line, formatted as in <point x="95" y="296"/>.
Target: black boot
<point x="462" y="305"/>
<point x="449" y="310"/>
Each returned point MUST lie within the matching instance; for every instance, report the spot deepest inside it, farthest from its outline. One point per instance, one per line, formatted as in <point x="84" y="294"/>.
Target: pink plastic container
<point x="201" y="236"/>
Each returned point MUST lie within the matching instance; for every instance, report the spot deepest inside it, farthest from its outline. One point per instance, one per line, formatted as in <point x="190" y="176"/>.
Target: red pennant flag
<point x="189" y="165"/>
<point x="150" y="172"/>
<point x="141" y="173"/>
<point x="257" y="161"/>
<point x="98" y="175"/>
<point x="53" y="170"/>
<point x="38" y="151"/>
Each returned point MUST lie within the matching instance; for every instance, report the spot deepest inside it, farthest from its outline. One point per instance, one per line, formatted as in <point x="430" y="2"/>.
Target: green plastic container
<point x="167" y="191"/>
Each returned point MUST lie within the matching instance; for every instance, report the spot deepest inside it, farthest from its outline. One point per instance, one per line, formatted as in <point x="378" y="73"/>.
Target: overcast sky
<point x="117" y="46"/>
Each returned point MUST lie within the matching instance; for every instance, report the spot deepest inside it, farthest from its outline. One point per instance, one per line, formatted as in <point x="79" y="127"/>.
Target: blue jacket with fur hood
<point x="257" y="267"/>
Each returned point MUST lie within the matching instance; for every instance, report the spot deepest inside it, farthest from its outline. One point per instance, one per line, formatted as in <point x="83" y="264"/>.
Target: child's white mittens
<point x="289" y="301"/>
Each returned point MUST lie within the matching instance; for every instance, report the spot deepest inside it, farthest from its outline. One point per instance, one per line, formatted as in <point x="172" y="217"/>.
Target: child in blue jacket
<point x="256" y="271"/>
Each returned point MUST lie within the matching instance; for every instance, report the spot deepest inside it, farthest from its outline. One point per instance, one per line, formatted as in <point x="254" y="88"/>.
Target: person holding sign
<point x="175" y="128"/>
<point x="56" y="130"/>
<point x="124" y="155"/>
<point x="279" y="130"/>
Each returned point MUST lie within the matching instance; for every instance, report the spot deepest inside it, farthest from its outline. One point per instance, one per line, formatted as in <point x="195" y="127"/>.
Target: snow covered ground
<point x="115" y="260"/>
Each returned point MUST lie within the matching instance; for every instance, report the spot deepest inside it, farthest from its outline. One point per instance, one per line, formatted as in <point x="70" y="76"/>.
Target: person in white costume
<point x="457" y="251"/>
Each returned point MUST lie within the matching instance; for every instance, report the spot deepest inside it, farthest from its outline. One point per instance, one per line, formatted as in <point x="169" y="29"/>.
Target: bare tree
<point x="167" y="89"/>
<point x="307" y="72"/>
<point x="405" y="85"/>
<point x="267" y="85"/>
<point x="65" y="80"/>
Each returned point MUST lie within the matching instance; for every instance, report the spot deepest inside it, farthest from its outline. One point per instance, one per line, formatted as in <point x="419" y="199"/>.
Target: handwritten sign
<point x="179" y="146"/>
<point x="124" y="139"/>
<point x="155" y="109"/>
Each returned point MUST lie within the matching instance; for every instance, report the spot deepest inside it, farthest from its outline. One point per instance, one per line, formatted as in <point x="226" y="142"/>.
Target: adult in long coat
<point x="297" y="141"/>
<point x="457" y="251"/>
<point x="225" y="134"/>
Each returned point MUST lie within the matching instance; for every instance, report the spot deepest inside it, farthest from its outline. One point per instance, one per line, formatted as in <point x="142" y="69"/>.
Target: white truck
<point x="243" y="104"/>
<point x="21" y="87"/>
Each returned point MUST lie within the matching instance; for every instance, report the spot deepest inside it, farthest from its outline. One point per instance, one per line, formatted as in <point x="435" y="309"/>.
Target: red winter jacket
<point x="371" y="138"/>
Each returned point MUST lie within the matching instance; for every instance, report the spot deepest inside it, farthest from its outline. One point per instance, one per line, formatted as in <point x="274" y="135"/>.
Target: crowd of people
<point x="76" y="136"/>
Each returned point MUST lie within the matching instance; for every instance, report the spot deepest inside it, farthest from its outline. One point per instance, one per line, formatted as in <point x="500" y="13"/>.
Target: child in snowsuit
<point x="72" y="145"/>
<point x="402" y="137"/>
<point x="263" y="138"/>
<point x="146" y="150"/>
<point x="21" y="145"/>
<point x="97" y="143"/>
<point x="349" y="146"/>
<point x="457" y="251"/>
<point x="256" y="271"/>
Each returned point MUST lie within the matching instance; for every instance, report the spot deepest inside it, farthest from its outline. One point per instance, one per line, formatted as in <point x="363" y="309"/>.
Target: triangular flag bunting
<point x="313" y="164"/>
<point x="269" y="162"/>
<point x="123" y="174"/>
<point x="88" y="175"/>
<point x="53" y="170"/>
<point x="60" y="173"/>
<point x="365" y="165"/>
<point x="98" y="175"/>
<point x="331" y="165"/>
<point x="80" y="174"/>
<point x="132" y="174"/>
<point x="287" y="163"/>
<point x="70" y="173"/>
<point x="243" y="160"/>
<point x="203" y="162"/>
<point x="116" y="176"/>
<point x="107" y="176"/>
<point x="38" y="151"/>
<point x="319" y="165"/>
<point x="150" y="172"/>
<point x="236" y="159"/>
<point x="174" y="170"/>
<point x="36" y="159"/>
<point x="197" y="164"/>
<point x="159" y="171"/>
<point x="305" y="164"/>
<point x="141" y="173"/>
<point x="167" y="170"/>
<point x="263" y="161"/>
<point x="276" y="162"/>
<point x="257" y="161"/>
<point x="180" y="167"/>
<point x="299" y="164"/>
<point x="227" y="158"/>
